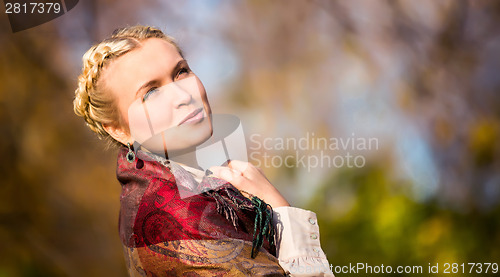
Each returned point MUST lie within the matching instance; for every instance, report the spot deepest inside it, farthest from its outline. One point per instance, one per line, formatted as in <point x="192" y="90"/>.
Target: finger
<point x="239" y="165"/>
<point x="225" y="173"/>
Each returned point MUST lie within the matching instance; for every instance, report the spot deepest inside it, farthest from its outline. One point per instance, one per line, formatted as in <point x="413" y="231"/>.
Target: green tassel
<point x="263" y="227"/>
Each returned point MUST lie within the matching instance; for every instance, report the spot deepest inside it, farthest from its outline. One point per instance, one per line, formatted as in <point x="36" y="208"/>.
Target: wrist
<point x="275" y="203"/>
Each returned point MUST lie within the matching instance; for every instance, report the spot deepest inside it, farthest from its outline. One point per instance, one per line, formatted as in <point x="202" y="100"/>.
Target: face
<point x="162" y="104"/>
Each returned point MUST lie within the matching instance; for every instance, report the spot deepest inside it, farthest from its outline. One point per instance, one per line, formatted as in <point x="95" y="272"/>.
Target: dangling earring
<point x="130" y="154"/>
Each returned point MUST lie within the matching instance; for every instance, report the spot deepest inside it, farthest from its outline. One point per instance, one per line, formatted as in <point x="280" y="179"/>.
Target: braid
<point x="93" y="62"/>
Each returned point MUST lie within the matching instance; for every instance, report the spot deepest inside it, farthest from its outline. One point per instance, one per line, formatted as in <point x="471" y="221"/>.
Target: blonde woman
<point x="137" y="91"/>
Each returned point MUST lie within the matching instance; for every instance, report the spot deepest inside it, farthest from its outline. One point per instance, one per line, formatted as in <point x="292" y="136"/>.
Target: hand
<point x="246" y="177"/>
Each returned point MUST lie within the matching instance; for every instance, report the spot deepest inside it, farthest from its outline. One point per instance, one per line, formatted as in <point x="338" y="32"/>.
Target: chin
<point x="196" y="135"/>
<point x="180" y="139"/>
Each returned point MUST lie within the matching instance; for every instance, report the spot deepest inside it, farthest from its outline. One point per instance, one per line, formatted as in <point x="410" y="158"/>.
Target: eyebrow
<point x="152" y="82"/>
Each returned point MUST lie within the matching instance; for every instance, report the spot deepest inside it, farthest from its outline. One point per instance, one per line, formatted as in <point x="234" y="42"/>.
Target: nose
<point x="182" y="97"/>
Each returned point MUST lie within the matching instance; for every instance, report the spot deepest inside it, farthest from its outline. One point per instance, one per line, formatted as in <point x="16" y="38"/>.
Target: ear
<point x="118" y="134"/>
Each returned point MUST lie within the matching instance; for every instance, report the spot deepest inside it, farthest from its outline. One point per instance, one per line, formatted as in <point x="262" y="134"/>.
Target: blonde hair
<point x="91" y="101"/>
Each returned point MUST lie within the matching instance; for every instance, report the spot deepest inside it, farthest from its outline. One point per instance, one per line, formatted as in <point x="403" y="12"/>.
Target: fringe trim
<point x="226" y="200"/>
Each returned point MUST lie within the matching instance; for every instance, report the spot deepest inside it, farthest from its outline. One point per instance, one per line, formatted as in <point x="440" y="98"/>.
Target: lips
<point x="194" y="116"/>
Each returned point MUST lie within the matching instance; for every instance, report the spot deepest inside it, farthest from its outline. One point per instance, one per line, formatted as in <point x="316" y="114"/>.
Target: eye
<point x="182" y="71"/>
<point x="148" y="93"/>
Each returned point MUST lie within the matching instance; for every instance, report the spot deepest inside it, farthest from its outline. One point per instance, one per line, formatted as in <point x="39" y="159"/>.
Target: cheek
<point x="202" y="96"/>
<point x="149" y="118"/>
<point x="206" y="104"/>
<point x="124" y="117"/>
<point x="139" y="122"/>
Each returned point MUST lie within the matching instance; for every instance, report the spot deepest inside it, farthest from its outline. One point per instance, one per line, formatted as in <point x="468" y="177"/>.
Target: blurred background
<point x="421" y="77"/>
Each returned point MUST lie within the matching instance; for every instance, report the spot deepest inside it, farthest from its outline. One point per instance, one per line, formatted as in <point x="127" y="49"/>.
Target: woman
<point x="137" y="91"/>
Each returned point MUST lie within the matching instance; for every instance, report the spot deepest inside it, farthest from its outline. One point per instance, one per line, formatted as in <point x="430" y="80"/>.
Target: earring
<point x="130" y="154"/>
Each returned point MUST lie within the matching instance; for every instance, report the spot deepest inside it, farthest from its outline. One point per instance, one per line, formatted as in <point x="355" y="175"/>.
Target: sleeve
<point x="297" y="243"/>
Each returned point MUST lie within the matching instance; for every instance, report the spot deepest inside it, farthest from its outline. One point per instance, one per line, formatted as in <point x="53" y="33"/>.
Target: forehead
<point x="152" y="59"/>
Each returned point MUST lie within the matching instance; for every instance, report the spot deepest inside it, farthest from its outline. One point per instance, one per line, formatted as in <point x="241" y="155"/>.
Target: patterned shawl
<point x="216" y="231"/>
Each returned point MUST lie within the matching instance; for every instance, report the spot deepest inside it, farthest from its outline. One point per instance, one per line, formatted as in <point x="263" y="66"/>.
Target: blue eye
<point x="182" y="71"/>
<point x="150" y="91"/>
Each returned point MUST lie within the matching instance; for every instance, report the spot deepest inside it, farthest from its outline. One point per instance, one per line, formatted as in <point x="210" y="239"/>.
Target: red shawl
<point x="206" y="234"/>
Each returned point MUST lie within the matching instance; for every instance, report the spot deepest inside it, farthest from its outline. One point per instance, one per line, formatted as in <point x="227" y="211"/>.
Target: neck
<point x="187" y="158"/>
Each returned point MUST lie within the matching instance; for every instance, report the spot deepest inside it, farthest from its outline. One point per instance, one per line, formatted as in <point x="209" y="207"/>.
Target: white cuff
<point x="298" y="246"/>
